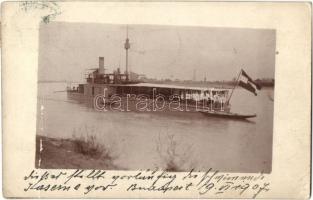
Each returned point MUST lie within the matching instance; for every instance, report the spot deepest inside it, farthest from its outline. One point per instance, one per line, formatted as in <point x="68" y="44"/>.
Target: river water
<point x="152" y="140"/>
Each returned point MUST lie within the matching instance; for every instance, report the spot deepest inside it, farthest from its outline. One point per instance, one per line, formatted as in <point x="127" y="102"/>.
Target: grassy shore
<point x="73" y="153"/>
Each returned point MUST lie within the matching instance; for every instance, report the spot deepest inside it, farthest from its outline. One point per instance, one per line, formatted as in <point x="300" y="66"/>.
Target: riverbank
<point x="73" y="153"/>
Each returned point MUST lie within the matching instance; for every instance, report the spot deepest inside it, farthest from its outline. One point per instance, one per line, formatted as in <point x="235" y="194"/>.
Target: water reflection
<point x="142" y="138"/>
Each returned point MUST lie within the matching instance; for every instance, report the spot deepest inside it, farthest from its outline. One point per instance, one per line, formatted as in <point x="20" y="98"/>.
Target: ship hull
<point x="125" y="104"/>
<point x="227" y="115"/>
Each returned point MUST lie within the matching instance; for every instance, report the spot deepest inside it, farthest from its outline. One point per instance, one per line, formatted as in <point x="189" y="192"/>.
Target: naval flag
<point x="246" y="82"/>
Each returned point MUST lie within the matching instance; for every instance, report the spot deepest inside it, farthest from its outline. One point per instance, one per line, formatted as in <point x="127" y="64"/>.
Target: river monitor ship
<point x="118" y="92"/>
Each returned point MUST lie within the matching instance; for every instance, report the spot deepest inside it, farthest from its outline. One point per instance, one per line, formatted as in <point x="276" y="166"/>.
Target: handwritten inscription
<point x="211" y="182"/>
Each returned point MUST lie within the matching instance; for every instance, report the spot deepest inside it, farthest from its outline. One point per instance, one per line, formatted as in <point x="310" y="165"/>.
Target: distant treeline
<point x="261" y="82"/>
<point x="265" y="82"/>
<point x="52" y="81"/>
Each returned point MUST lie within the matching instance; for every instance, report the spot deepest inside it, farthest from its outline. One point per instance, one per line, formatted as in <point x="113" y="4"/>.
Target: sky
<point x="67" y="50"/>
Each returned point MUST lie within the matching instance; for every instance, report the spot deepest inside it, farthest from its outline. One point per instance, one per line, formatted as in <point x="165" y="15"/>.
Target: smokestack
<point x="101" y="65"/>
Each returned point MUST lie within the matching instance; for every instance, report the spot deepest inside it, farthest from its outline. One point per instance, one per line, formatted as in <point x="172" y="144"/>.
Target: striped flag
<point x="246" y="82"/>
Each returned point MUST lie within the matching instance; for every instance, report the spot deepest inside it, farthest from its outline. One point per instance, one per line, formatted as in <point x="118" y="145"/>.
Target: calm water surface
<point x="149" y="140"/>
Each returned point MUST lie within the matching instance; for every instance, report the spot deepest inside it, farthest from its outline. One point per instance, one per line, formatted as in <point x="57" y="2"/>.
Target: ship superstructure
<point x="118" y="92"/>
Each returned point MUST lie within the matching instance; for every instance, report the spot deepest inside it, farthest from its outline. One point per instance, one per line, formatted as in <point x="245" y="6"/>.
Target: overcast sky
<point x="66" y="50"/>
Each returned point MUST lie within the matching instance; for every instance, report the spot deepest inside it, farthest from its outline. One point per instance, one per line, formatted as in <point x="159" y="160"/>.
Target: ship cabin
<point x="117" y="83"/>
<point x="98" y="75"/>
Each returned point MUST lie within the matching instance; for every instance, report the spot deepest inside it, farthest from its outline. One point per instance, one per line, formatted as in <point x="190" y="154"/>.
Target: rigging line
<point x="236" y="84"/>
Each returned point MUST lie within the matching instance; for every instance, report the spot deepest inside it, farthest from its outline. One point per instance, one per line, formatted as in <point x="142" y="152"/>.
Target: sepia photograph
<point x="161" y="100"/>
<point x="173" y="98"/>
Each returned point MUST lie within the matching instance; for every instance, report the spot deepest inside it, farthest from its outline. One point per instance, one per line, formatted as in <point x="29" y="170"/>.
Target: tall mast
<point x="127" y="46"/>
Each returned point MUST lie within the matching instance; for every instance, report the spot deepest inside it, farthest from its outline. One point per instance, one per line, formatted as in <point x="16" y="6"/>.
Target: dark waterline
<point x="142" y="140"/>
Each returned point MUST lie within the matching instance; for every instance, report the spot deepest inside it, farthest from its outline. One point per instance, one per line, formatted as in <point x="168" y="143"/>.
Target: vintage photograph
<point x="176" y="98"/>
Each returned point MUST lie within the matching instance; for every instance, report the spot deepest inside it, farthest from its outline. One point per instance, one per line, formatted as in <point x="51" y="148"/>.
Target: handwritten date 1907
<point x="209" y="183"/>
